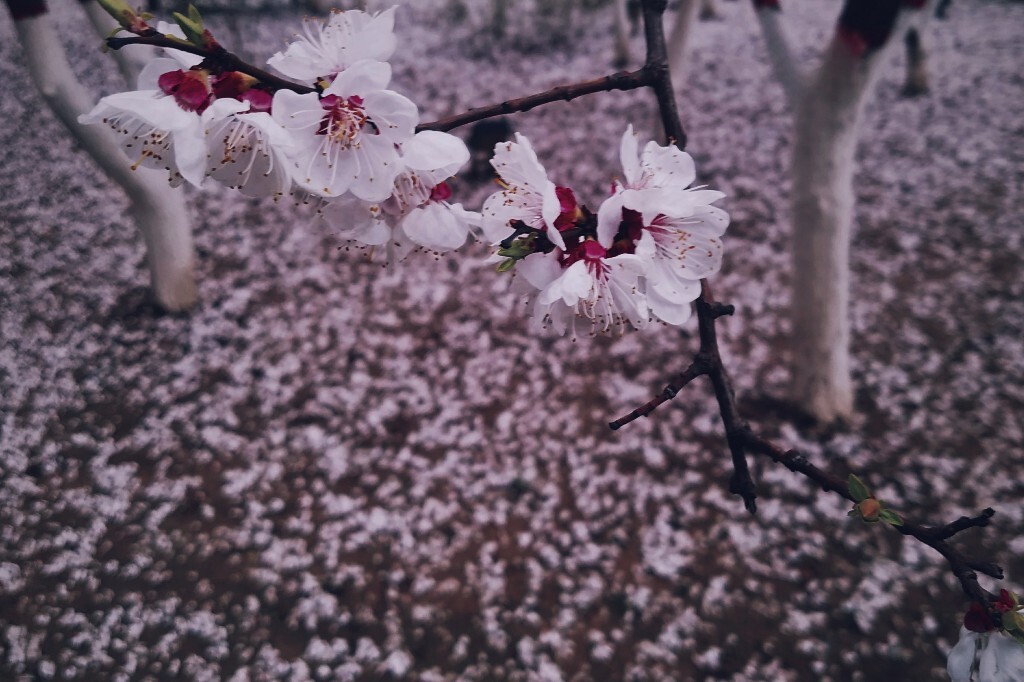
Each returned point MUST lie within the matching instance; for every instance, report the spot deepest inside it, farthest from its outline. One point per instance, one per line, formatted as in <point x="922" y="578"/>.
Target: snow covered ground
<point x="332" y="471"/>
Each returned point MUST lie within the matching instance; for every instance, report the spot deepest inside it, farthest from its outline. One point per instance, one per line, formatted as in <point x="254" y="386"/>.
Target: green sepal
<point x="120" y="10"/>
<point x="194" y="15"/>
<point x="858" y="491"/>
<point x="854" y="512"/>
<point x="1013" y="621"/>
<point x="506" y="265"/>
<point x="890" y="517"/>
<point x="194" y="31"/>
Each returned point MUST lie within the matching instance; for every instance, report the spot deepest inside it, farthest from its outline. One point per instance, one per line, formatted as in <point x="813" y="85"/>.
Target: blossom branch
<point x="216" y="57"/>
<point x="740" y="437"/>
<point x="963" y="567"/>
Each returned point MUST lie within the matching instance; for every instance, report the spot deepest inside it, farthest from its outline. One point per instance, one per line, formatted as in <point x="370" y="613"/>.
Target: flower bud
<point x="124" y="14"/>
<point x="869" y="509"/>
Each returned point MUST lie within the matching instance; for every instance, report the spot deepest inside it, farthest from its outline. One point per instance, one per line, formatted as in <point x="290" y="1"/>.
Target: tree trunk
<point x="827" y="123"/>
<point x="131" y="58"/>
<point x="621" y="57"/>
<point x="916" y="82"/>
<point x="158" y="210"/>
<point x="679" y="41"/>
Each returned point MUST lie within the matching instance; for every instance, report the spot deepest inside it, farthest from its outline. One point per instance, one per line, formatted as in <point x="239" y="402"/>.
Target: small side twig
<point x="700" y="366"/>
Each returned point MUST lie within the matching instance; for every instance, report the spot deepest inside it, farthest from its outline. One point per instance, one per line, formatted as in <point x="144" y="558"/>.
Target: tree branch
<point x="622" y="80"/>
<point x="216" y="57"/>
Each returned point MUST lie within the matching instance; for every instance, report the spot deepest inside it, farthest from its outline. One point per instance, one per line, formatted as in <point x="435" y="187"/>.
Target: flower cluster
<point x="641" y="257"/>
<point x="347" y="139"/>
<point x="337" y="133"/>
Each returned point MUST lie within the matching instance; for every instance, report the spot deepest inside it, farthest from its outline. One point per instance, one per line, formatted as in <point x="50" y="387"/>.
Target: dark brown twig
<point x="700" y="366"/>
<point x="623" y="80"/>
<point x="216" y="57"/>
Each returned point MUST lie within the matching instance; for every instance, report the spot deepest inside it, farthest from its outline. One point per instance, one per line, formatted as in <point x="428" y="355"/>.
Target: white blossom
<point x="590" y="284"/>
<point x="418" y="212"/>
<point x="346" y="140"/>
<point x="986" y="657"/>
<point x="327" y="49"/>
<point x="674" y="229"/>
<point x="528" y="194"/>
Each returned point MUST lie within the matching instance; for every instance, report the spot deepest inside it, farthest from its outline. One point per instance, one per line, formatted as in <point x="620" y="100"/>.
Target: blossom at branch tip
<point x="528" y="195"/>
<point x="418" y="212"/>
<point x="347" y="139"/>
<point x="986" y="657"/>
<point x="328" y="48"/>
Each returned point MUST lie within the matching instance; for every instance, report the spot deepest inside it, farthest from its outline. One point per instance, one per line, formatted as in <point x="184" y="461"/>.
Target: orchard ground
<point x="333" y="471"/>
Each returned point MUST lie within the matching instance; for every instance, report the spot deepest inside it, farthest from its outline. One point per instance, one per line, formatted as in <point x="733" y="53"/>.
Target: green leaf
<point x="854" y="512"/>
<point x="1018" y="621"/>
<point x="506" y="265"/>
<point x="1009" y="623"/>
<point x="891" y="517"/>
<point x="194" y="15"/>
<point x="858" y="491"/>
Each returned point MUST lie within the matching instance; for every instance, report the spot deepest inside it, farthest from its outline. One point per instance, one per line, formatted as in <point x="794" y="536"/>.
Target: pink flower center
<point x="345" y="119"/>
<point x="190" y="89"/>
<point x="259" y="100"/>
<point x="589" y="251"/>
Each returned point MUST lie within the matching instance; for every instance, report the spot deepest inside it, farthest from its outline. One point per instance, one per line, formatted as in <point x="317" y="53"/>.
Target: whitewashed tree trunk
<point x="828" y="111"/>
<point x="158" y="210"/>
<point x="708" y="11"/>
<point x="780" y="52"/>
<point x="129" y="59"/>
<point x="622" y="53"/>
<point x="678" y="42"/>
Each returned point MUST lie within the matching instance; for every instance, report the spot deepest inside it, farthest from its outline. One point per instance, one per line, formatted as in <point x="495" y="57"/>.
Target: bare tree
<point x="157" y="209"/>
<point x="828" y="107"/>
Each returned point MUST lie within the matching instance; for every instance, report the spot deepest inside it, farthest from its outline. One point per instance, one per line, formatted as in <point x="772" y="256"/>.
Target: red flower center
<point x="441" y="192"/>
<point x="569" y="209"/>
<point x="190" y="89"/>
<point x="345" y="119"/>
